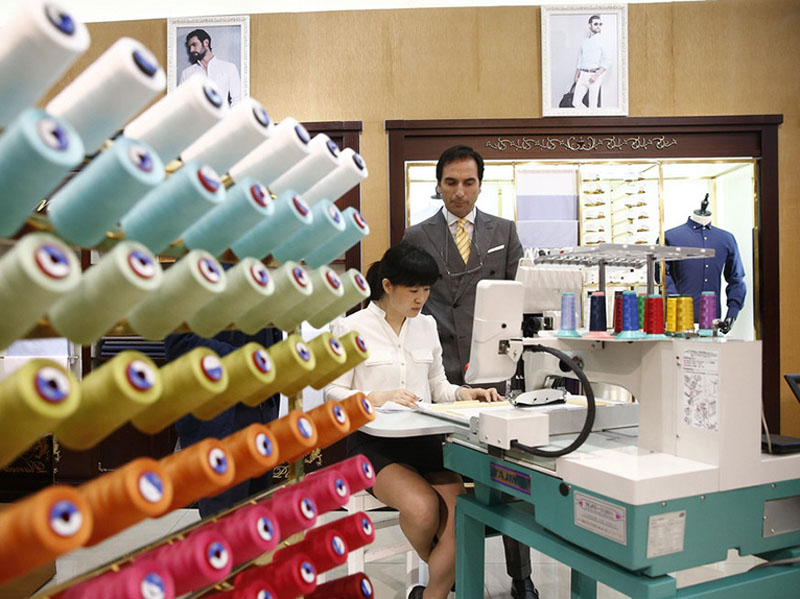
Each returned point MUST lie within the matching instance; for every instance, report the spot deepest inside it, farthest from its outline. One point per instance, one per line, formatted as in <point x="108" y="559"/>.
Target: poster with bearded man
<point x="213" y="47"/>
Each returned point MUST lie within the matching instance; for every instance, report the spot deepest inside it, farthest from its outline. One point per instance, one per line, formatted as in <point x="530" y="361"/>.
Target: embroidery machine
<point x="622" y="505"/>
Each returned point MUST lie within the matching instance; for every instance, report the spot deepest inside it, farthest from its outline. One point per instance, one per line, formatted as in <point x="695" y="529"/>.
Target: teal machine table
<point x="674" y="485"/>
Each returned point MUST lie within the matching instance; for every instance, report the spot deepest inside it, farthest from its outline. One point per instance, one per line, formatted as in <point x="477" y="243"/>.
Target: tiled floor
<point x="388" y="576"/>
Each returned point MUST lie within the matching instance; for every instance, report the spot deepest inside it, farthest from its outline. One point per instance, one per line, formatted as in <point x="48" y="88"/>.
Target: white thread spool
<point x="356" y="290"/>
<point x="249" y="283"/>
<point x="177" y="119"/>
<point x="351" y="171"/>
<point x="292" y="285"/>
<point x="33" y="275"/>
<point x="39" y="42"/>
<point x="240" y="131"/>
<point x="107" y="291"/>
<point x="327" y="288"/>
<point x="191" y="282"/>
<point x="111" y="90"/>
<point x="286" y="146"/>
<point x="322" y="160"/>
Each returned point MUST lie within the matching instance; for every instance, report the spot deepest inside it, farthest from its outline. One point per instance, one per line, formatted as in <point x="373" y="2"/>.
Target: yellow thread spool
<point x="189" y="381"/>
<point x="250" y="371"/>
<point x="330" y="355"/>
<point x="357" y="352"/>
<point x="294" y="363"/>
<point x="685" y="314"/>
<point x="672" y="314"/>
<point x="111" y="395"/>
<point x="33" y="400"/>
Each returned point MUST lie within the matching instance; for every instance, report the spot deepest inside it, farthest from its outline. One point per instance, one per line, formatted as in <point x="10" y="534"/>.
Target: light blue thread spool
<point x="97" y="198"/>
<point x="355" y="229"/>
<point x="630" y="317"/>
<point x="36" y="152"/>
<point x="327" y="222"/>
<point x="169" y="209"/>
<point x="292" y="213"/>
<point x="246" y="205"/>
<point x="568" y="328"/>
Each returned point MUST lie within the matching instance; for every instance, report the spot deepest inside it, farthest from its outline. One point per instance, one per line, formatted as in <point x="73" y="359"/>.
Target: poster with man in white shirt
<point x="203" y="62"/>
<point x="584" y="60"/>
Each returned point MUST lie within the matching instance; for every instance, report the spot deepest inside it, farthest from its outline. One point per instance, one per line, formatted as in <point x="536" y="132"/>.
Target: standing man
<point x="594" y="60"/>
<point x="468" y="246"/>
<point x="204" y="63"/>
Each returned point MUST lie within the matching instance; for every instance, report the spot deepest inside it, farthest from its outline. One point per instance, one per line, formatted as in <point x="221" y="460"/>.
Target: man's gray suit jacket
<point x="495" y="254"/>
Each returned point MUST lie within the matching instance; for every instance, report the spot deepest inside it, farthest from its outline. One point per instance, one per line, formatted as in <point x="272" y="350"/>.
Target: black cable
<point x="590" y="405"/>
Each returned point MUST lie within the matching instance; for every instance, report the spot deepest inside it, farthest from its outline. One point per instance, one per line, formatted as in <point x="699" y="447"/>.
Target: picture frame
<point x="568" y="53"/>
<point x="230" y="45"/>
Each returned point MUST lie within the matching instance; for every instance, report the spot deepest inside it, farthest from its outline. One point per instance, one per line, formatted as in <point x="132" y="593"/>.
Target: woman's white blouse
<point x="411" y="360"/>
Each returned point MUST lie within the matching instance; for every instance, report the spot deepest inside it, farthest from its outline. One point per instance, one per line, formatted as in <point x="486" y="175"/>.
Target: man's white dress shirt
<point x="223" y="73"/>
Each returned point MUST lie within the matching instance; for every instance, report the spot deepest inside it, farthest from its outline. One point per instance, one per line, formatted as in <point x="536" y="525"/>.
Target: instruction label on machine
<point x="701" y="389"/>
<point x="665" y="533"/>
<point x="601" y="517"/>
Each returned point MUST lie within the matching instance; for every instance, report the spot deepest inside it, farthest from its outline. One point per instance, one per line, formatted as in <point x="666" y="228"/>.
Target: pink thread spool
<point x="355" y="586"/>
<point x="294" y="511"/>
<point x="328" y="489"/>
<point x="197" y="561"/>
<point x="357" y="471"/>
<point x="294" y="577"/>
<point x="356" y="530"/>
<point x="251" y="531"/>
<point x="141" y="579"/>
<point x="255" y="589"/>
<point x="327" y="550"/>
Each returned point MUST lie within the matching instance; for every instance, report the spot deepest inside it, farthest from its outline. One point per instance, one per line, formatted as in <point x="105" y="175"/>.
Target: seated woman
<point x="405" y="366"/>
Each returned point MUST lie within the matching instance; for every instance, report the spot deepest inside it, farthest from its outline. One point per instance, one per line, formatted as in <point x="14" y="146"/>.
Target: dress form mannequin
<point x="694" y="277"/>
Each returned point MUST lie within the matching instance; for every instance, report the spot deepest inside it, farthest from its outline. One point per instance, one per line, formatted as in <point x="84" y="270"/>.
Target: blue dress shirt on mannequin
<point x="692" y="277"/>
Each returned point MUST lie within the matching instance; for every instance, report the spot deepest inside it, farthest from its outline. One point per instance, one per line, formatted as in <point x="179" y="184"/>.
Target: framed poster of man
<point x="585" y="60"/>
<point x="214" y="47"/>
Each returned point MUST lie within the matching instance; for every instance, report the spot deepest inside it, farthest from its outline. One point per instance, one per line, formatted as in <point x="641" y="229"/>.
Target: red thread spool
<point x="327" y="550"/>
<point x="140" y="489"/>
<point x="654" y="315"/>
<point x="295" y="435"/>
<point x="294" y="511"/>
<point x="356" y="530"/>
<point x="360" y="410"/>
<point x="328" y="489"/>
<point x="251" y="531"/>
<point x="355" y="586"/>
<point x="357" y="471"/>
<point x="141" y="579"/>
<point x="195" y="562"/>
<point x="255" y="589"/>
<point x="39" y="528"/>
<point x="201" y="470"/>
<point x="295" y="577"/>
<point x="331" y="421"/>
<point x="617" y="311"/>
<point x="254" y="451"/>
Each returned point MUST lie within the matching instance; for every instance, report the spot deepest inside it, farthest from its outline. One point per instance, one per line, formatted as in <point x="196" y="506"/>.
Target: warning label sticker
<point x="601" y="517"/>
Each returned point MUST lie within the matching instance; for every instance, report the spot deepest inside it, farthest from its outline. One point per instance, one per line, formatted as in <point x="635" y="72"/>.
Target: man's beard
<point x="195" y="57"/>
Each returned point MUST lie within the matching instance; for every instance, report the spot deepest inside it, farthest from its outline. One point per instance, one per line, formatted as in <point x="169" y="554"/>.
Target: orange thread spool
<point x="201" y="470"/>
<point x="254" y="450"/>
<point x="360" y="410"/>
<point x="140" y="489"/>
<point x="331" y="421"/>
<point x="295" y="434"/>
<point x="39" y="528"/>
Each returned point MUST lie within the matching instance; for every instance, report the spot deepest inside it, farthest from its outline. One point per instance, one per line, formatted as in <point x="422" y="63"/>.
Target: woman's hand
<point x="488" y="395"/>
<point x="401" y="396"/>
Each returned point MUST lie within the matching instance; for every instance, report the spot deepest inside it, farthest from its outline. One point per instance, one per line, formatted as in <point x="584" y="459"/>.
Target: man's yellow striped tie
<point x="462" y="240"/>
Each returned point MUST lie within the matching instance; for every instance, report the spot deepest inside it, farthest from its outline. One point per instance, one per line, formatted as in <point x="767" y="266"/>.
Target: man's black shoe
<point x="523" y="589"/>
<point x="416" y="592"/>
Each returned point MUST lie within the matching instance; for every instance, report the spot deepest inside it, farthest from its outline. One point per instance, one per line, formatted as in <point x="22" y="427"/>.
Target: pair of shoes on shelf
<point x="522" y="588"/>
<point x="416" y="592"/>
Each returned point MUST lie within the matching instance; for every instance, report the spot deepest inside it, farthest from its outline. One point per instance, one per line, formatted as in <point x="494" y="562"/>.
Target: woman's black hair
<point x="403" y="264"/>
